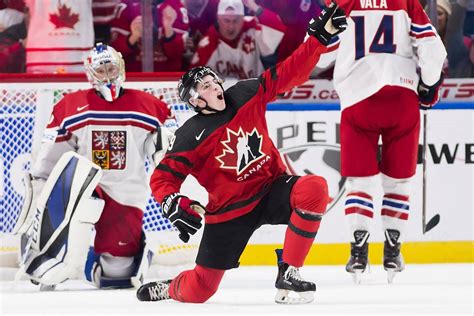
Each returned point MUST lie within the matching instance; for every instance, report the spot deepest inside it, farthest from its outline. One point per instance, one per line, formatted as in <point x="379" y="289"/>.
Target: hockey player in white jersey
<point x="376" y="62"/>
<point x="90" y="172"/>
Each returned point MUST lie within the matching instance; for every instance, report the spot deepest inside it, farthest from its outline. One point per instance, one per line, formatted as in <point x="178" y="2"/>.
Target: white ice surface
<point x="445" y="289"/>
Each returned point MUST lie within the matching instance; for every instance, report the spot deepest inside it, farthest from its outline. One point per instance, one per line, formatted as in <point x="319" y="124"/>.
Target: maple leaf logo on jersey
<point x="64" y="17"/>
<point x="249" y="44"/>
<point x="241" y="149"/>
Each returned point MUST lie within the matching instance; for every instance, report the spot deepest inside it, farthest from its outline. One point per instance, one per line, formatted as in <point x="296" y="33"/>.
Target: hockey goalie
<point x="89" y="175"/>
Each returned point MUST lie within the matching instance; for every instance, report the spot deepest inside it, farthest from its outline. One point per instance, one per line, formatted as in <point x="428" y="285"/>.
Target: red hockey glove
<point x="183" y="213"/>
<point x="328" y="24"/>
<point x="429" y="95"/>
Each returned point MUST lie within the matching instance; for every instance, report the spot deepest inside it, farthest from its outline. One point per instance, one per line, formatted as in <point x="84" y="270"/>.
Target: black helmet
<point x="187" y="83"/>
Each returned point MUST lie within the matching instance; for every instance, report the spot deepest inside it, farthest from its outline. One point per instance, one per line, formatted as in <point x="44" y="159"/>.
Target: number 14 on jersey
<point x="381" y="42"/>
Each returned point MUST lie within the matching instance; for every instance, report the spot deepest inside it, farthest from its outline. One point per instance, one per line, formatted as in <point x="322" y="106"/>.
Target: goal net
<point x="25" y="108"/>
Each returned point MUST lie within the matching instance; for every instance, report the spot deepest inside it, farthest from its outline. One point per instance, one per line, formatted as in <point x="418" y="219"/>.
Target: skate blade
<point x="288" y="297"/>
<point x="360" y="274"/>
<point x="391" y="273"/>
<point x="357" y="276"/>
<point x="47" y="288"/>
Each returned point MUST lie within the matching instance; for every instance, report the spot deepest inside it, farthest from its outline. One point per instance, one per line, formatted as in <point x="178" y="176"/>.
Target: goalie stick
<point x="427" y="226"/>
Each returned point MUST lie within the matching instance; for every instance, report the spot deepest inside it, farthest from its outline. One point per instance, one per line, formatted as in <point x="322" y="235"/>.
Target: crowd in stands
<point x="238" y="38"/>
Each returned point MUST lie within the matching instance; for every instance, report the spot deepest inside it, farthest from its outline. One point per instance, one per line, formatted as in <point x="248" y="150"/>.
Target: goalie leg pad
<point x="113" y="272"/>
<point x="66" y="211"/>
<point x="33" y="188"/>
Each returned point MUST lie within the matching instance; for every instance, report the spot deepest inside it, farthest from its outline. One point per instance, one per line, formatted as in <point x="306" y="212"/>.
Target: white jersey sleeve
<point x="54" y="143"/>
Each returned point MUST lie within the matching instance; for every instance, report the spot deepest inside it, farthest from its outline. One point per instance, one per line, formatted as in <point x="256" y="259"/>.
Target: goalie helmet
<point x="105" y="70"/>
<point x="187" y="84"/>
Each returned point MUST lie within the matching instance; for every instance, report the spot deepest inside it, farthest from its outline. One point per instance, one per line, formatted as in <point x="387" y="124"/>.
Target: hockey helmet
<point x="105" y="70"/>
<point x="187" y="84"/>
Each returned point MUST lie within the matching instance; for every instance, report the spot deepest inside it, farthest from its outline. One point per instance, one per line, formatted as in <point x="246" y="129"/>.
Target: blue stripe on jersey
<point x="119" y="116"/>
<point x="334" y="40"/>
<point x="62" y="131"/>
<point x="361" y="202"/>
<point x="417" y="29"/>
<point x="405" y="207"/>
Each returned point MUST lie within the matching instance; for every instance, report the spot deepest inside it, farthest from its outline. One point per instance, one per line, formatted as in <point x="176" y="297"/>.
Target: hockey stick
<point x="435" y="219"/>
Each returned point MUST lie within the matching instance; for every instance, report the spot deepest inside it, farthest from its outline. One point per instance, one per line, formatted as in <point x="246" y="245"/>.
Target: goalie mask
<point x="105" y="70"/>
<point x="187" y="86"/>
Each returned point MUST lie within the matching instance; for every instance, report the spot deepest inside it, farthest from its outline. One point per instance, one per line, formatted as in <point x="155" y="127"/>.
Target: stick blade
<point x="432" y="223"/>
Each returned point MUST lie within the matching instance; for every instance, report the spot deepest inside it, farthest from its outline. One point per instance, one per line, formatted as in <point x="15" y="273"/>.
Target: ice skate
<point x="43" y="287"/>
<point x="358" y="261"/>
<point x="289" y="281"/>
<point x="392" y="258"/>
<point x="154" y="291"/>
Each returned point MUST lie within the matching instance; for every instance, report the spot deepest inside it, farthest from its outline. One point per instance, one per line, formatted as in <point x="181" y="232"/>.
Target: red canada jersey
<point x="230" y="153"/>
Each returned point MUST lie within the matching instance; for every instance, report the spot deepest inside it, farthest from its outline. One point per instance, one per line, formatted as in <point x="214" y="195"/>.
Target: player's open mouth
<point x="220" y="96"/>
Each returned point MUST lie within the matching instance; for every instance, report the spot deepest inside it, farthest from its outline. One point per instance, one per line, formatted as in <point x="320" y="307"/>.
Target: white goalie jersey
<point x="384" y="44"/>
<point x="117" y="136"/>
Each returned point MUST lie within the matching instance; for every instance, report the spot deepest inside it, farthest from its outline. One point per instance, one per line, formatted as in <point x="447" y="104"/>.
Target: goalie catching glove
<point x="328" y="24"/>
<point x="183" y="213"/>
<point x="429" y="95"/>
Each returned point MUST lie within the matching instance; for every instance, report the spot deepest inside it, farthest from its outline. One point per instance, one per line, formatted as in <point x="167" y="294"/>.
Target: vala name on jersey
<point x="373" y="4"/>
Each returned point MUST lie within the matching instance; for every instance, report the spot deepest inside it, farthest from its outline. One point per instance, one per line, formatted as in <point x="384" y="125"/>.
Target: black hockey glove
<point x="183" y="213"/>
<point x="429" y="95"/>
<point x="328" y="24"/>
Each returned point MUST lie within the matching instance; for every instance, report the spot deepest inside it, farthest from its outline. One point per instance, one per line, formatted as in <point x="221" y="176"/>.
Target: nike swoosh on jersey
<point x="80" y="108"/>
<point x="198" y="137"/>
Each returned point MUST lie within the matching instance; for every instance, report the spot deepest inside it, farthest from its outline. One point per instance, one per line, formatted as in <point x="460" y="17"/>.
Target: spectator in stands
<point x="202" y="16"/>
<point x="61" y="34"/>
<point x="458" y="54"/>
<point x="18" y="5"/>
<point x="443" y="10"/>
<point x="104" y="11"/>
<point x="169" y="34"/>
<point x="468" y="31"/>
<point x="234" y="46"/>
<point x="12" y="33"/>
<point x="295" y="15"/>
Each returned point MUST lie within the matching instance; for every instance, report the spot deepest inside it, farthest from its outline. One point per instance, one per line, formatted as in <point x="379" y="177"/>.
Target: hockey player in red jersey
<point x="111" y="131"/>
<point x="226" y="147"/>
<point x="377" y="81"/>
